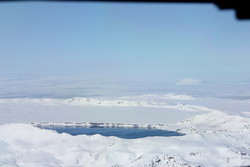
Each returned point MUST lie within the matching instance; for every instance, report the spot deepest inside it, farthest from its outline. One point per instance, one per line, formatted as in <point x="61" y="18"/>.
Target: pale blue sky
<point x="119" y="47"/>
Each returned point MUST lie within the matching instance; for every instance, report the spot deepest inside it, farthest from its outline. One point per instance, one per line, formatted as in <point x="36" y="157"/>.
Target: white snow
<point x="216" y="133"/>
<point x="138" y="109"/>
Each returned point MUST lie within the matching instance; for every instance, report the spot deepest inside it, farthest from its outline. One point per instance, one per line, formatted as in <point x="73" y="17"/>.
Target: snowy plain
<point x="217" y="132"/>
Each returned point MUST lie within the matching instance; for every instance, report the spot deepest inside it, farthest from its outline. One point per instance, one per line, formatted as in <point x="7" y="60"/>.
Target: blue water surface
<point x="125" y="133"/>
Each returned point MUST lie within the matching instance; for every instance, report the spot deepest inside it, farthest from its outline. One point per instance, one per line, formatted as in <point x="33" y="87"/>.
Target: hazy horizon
<point x="63" y="49"/>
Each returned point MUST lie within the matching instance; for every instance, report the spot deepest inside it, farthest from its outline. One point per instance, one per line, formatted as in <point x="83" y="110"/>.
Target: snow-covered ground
<point x="217" y="132"/>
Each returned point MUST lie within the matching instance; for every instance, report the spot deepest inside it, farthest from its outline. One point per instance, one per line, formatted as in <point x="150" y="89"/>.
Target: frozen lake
<point x="125" y="133"/>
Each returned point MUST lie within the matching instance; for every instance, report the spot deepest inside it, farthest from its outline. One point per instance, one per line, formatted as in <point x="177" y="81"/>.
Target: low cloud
<point x="189" y="81"/>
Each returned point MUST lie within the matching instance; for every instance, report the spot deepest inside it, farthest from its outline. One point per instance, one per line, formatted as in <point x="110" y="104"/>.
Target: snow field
<point x="214" y="137"/>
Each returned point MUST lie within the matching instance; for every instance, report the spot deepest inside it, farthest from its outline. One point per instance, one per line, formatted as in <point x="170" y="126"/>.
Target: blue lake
<point x="125" y="133"/>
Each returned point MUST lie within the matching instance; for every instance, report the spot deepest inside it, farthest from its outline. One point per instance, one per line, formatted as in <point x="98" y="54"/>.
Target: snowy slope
<point x="46" y="148"/>
<point x="216" y="133"/>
